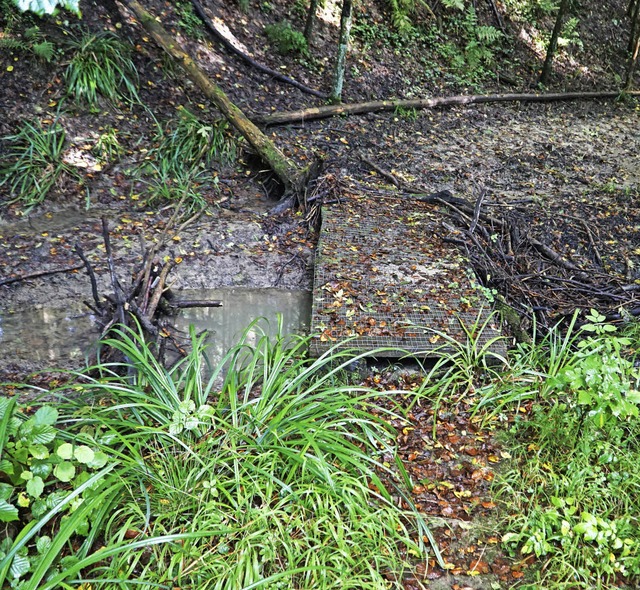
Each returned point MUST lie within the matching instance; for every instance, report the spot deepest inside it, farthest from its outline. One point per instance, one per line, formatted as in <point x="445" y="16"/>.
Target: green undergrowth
<point x="567" y="410"/>
<point x="142" y="475"/>
<point x="283" y="475"/>
<point x="180" y="166"/>
<point x="33" y="162"/>
<point x="571" y="491"/>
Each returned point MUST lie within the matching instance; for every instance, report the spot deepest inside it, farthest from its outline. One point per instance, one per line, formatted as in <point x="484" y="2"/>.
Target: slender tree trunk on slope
<point x="283" y="168"/>
<point x="343" y="46"/>
<point x="633" y="61"/>
<point x="634" y="16"/>
<point x="311" y="19"/>
<point x="553" y="42"/>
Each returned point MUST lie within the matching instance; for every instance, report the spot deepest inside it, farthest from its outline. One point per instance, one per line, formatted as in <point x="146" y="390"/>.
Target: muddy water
<point x="39" y="337"/>
<point x="46" y="336"/>
<point x="240" y="307"/>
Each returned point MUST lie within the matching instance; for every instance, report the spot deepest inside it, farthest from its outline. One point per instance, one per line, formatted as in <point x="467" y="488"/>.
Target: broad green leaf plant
<point x="42" y="7"/>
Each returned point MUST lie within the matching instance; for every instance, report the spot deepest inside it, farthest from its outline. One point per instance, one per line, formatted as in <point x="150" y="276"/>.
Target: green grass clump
<point x="189" y="143"/>
<point x="101" y="65"/>
<point x="179" y="168"/>
<point x="271" y="481"/>
<point x="33" y="162"/>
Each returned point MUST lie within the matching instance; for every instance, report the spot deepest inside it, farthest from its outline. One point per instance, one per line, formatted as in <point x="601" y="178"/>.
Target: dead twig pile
<point x="536" y="277"/>
<point x="542" y="263"/>
<point x="147" y="300"/>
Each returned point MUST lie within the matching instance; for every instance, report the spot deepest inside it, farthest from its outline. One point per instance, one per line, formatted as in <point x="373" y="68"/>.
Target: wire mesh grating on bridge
<point x="384" y="278"/>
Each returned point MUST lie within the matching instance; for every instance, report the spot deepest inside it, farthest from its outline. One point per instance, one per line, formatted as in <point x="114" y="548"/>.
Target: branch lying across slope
<point x="360" y="108"/>
<point x="215" y="32"/>
<point x="284" y="169"/>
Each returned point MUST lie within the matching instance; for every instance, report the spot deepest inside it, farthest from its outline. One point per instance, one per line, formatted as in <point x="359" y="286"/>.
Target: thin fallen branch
<point x="498" y="16"/>
<point x="217" y="34"/>
<point x="40" y="273"/>
<point x="281" y="272"/>
<point x="159" y="285"/>
<point x="552" y="255"/>
<point x="390" y="177"/>
<point x="117" y="289"/>
<point x="375" y="106"/>
<point x="188" y="303"/>
<point x="477" y="209"/>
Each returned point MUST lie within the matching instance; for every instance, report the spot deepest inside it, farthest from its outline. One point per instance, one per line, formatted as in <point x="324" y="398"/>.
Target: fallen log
<point x="375" y="106"/>
<point x="221" y="38"/>
<point x="284" y="169"/>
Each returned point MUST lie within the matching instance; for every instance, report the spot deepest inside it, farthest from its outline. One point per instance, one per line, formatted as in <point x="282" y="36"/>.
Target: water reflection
<point x="47" y="335"/>
<point x="44" y="337"/>
<point x="240" y="307"/>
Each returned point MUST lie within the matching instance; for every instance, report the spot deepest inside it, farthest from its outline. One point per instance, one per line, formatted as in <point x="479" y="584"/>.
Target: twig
<point x="155" y="298"/>
<point x="92" y="277"/>
<point x="188" y="303"/>
<point x="587" y="230"/>
<point x="476" y="209"/>
<point x="117" y="290"/>
<point x="497" y="15"/>
<point x="40" y="273"/>
<point x="281" y="272"/>
<point x="143" y="318"/>
<point x="390" y="177"/>
<point x="553" y="255"/>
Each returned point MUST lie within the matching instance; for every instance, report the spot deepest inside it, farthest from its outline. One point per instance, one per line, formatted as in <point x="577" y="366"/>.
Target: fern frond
<point x="488" y="34"/>
<point x="457" y="4"/>
<point x="44" y="50"/>
<point x="12" y="43"/>
<point x="33" y="34"/>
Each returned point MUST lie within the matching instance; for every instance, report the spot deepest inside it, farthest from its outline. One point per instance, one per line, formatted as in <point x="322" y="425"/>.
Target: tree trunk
<point x="633" y="60"/>
<point x="426" y="103"/>
<point x="553" y="42"/>
<point x="634" y="16"/>
<point x="311" y="19"/>
<point x="283" y="168"/>
<point x="343" y="46"/>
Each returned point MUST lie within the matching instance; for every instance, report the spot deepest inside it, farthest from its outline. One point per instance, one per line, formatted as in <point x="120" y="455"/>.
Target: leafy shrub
<point x="46" y="475"/>
<point x="286" y="39"/>
<point x="572" y="492"/>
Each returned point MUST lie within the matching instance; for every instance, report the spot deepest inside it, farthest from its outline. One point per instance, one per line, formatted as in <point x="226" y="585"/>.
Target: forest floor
<point x="562" y="174"/>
